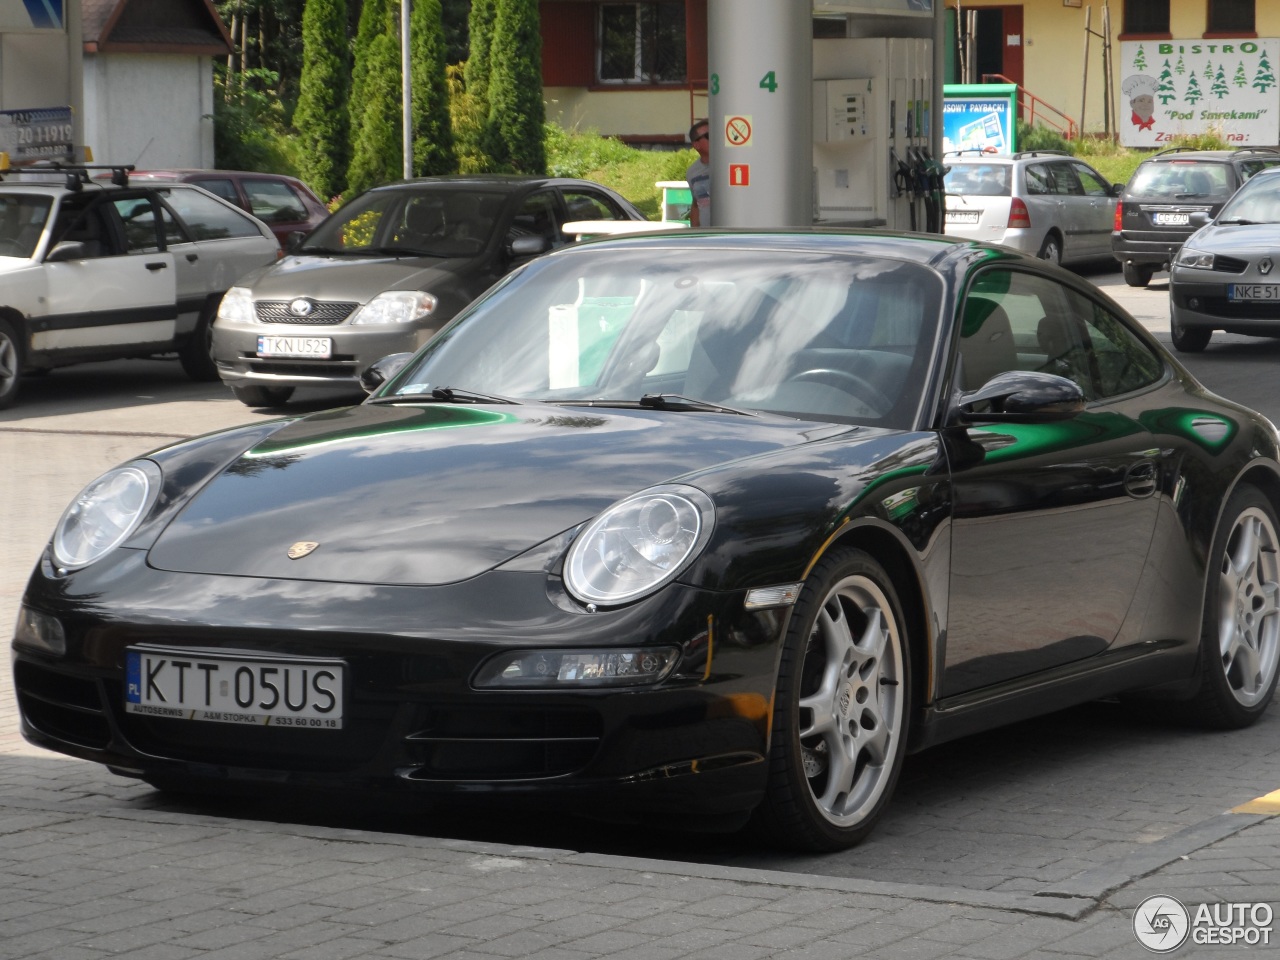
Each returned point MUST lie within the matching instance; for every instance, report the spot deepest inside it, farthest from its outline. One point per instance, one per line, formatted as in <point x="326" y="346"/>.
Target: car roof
<point x="1174" y="154"/>
<point x="509" y="181"/>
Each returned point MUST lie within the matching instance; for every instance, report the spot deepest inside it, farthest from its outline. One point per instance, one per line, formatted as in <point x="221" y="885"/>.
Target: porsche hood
<point x="432" y="494"/>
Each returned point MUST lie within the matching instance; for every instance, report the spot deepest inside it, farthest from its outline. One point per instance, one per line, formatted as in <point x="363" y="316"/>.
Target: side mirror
<point x="1199" y="218"/>
<point x="380" y="371"/>
<point x="1117" y="189"/>
<point x="522" y="247"/>
<point x="68" y="250"/>
<point x="293" y="240"/>
<point x="1021" y="396"/>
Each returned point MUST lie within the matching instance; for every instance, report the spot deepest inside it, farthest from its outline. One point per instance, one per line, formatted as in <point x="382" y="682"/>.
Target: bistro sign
<point x="1223" y="87"/>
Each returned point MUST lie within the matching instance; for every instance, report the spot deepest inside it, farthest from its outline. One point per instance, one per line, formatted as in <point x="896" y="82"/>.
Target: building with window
<point x="638" y="70"/>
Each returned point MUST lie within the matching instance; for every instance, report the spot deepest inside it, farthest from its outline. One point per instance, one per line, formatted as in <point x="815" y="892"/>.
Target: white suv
<point x="93" y="270"/>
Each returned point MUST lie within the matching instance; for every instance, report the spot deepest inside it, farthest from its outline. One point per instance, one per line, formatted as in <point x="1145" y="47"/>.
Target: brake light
<point x="1119" y="225"/>
<point x="1019" y="215"/>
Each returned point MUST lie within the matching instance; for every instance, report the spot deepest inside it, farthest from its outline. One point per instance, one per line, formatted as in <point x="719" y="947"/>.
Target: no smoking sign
<point x="737" y="131"/>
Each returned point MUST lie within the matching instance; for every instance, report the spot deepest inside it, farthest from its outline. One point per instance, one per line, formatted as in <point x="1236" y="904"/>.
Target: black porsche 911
<point x="695" y="527"/>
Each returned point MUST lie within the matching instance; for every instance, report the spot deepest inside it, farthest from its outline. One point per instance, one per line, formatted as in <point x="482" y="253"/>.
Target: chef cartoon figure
<point x="1141" y="91"/>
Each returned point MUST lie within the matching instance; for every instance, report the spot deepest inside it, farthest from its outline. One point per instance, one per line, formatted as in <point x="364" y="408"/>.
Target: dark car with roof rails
<point x="386" y="271"/>
<point x="1170" y="196"/>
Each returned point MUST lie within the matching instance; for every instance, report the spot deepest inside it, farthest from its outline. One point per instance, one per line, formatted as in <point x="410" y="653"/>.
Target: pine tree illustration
<point x="1140" y="61"/>
<point x="1166" y="90"/>
<point x="1208" y="70"/>
<point x="1241" y="79"/>
<point x="1264" y="79"/>
<point x="1194" y="93"/>
<point x="1220" y="88"/>
<point x="1180" y="68"/>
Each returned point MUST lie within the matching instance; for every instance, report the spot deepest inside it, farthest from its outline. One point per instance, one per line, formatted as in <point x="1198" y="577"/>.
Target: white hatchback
<point x="1044" y="203"/>
<point x="93" y="270"/>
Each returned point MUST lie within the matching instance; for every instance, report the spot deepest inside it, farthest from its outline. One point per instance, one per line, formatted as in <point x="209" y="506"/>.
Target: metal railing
<point x="1028" y="103"/>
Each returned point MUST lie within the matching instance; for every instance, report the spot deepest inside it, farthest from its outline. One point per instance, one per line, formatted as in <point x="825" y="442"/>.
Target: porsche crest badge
<point x="301" y="549"/>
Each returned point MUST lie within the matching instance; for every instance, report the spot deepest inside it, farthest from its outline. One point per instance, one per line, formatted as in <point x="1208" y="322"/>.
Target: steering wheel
<point x="850" y="383"/>
<point x="11" y="248"/>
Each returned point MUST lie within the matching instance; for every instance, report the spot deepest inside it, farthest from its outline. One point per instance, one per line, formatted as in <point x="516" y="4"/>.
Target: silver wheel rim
<point x="851" y="701"/>
<point x="1249" y="604"/>
<point x="8" y="364"/>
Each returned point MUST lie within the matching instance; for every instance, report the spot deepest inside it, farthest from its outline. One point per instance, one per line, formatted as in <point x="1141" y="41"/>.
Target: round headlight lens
<point x="236" y="306"/>
<point x="104" y="513"/>
<point x="638" y="544"/>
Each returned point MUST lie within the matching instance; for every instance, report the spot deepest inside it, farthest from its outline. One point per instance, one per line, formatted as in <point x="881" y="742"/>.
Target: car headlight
<point x="396" y="306"/>
<point x="237" y="306"/>
<point x="1190" y="257"/>
<point x="104" y="513"/>
<point x="638" y="544"/>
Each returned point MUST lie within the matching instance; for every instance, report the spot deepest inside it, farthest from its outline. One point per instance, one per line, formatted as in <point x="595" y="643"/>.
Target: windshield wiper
<point x="445" y="395"/>
<point x="400" y="252"/>
<point x="321" y="251"/>
<point x="673" y="401"/>
<point x="1240" y="221"/>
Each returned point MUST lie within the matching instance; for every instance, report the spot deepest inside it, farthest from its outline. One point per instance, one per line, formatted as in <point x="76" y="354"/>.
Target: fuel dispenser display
<point x="872" y="162"/>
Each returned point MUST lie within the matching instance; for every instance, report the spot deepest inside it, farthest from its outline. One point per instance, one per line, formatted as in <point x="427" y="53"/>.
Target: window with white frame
<point x="641" y="43"/>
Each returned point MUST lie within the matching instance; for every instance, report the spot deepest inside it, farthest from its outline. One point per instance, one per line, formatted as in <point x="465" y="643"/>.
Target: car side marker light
<point x="762" y="598"/>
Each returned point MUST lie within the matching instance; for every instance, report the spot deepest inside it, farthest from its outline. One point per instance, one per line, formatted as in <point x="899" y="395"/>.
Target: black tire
<point x="254" y="396"/>
<point x="1188" y="339"/>
<point x="844" y="680"/>
<point x="1137" y="274"/>
<point x="1240" y="631"/>
<point x="196" y="355"/>
<point x="1051" y="249"/>
<point x="10" y="363"/>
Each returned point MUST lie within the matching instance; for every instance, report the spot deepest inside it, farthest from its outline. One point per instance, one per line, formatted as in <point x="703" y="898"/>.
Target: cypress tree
<point x="476" y="72"/>
<point x="376" y="152"/>
<point x="432" y="134"/>
<point x="377" y="18"/>
<point x="321" y="114"/>
<point x="514" y="137"/>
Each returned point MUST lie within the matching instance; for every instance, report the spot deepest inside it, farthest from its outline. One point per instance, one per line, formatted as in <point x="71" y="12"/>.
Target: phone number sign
<point x="43" y="134"/>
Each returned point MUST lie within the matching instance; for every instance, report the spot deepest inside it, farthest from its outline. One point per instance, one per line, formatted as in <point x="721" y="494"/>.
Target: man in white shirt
<point x="698" y="175"/>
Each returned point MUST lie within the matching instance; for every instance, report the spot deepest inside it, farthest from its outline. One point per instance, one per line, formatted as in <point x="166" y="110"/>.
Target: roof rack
<point x="1271" y="150"/>
<point x="981" y="151"/>
<point x="77" y="173"/>
<point x="1161" y="153"/>
<point x="1040" y="153"/>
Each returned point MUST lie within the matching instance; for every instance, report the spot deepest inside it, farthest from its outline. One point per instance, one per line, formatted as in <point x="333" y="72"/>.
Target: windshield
<point x="22" y="220"/>
<point x="805" y="334"/>
<point x="419" y="221"/>
<point x="1181" y="180"/>
<point x="1258" y="201"/>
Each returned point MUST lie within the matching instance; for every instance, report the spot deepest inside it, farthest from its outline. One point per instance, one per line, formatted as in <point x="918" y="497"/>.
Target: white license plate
<point x="1171" y="219"/>
<point x="1253" y="291"/>
<point x="318" y="347"/>
<point x="962" y="216"/>
<point x="244" y="689"/>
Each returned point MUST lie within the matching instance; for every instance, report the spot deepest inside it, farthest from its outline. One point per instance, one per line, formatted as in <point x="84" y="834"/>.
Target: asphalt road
<point x="1019" y="809"/>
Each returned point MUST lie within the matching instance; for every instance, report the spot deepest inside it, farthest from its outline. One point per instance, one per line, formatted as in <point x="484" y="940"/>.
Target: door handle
<point x="1140" y="479"/>
<point x="156" y="265"/>
<point x="192" y="257"/>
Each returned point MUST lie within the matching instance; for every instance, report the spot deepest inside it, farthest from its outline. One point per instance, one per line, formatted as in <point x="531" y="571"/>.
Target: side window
<point x="586" y="205"/>
<point x="537" y="217"/>
<point x="206" y="218"/>
<point x="1064" y="180"/>
<point x="1020" y="321"/>
<point x="138" y="217"/>
<point x="221" y="186"/>
<point x="86" y="225"/>
<point x="1089" y="180"/>
<point x="1038" y="182"/>
<point x="273" y="202"/>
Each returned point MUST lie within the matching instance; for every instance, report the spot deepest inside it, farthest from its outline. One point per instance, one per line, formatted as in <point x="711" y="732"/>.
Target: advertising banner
<point x="1224" y="87"/>
<point x="30" y="16"/>
<point x="30" y="135"/>
<point x="979" y="118"/>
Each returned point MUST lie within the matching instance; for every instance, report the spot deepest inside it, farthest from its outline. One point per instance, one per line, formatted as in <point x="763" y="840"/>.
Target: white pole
<point x="406" y="91"/>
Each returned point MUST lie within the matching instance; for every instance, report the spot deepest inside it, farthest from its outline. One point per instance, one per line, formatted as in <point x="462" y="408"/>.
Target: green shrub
<point x="1042" y="138"/>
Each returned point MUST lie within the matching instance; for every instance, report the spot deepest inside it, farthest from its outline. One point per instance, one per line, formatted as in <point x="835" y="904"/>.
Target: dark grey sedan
<point x="385" y="272"/>
<point x="1226" y="276"/>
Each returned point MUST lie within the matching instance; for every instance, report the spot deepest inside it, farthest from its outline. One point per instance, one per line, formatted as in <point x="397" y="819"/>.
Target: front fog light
<point x="578" y="668"/>
<point x="39" y="630"/>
